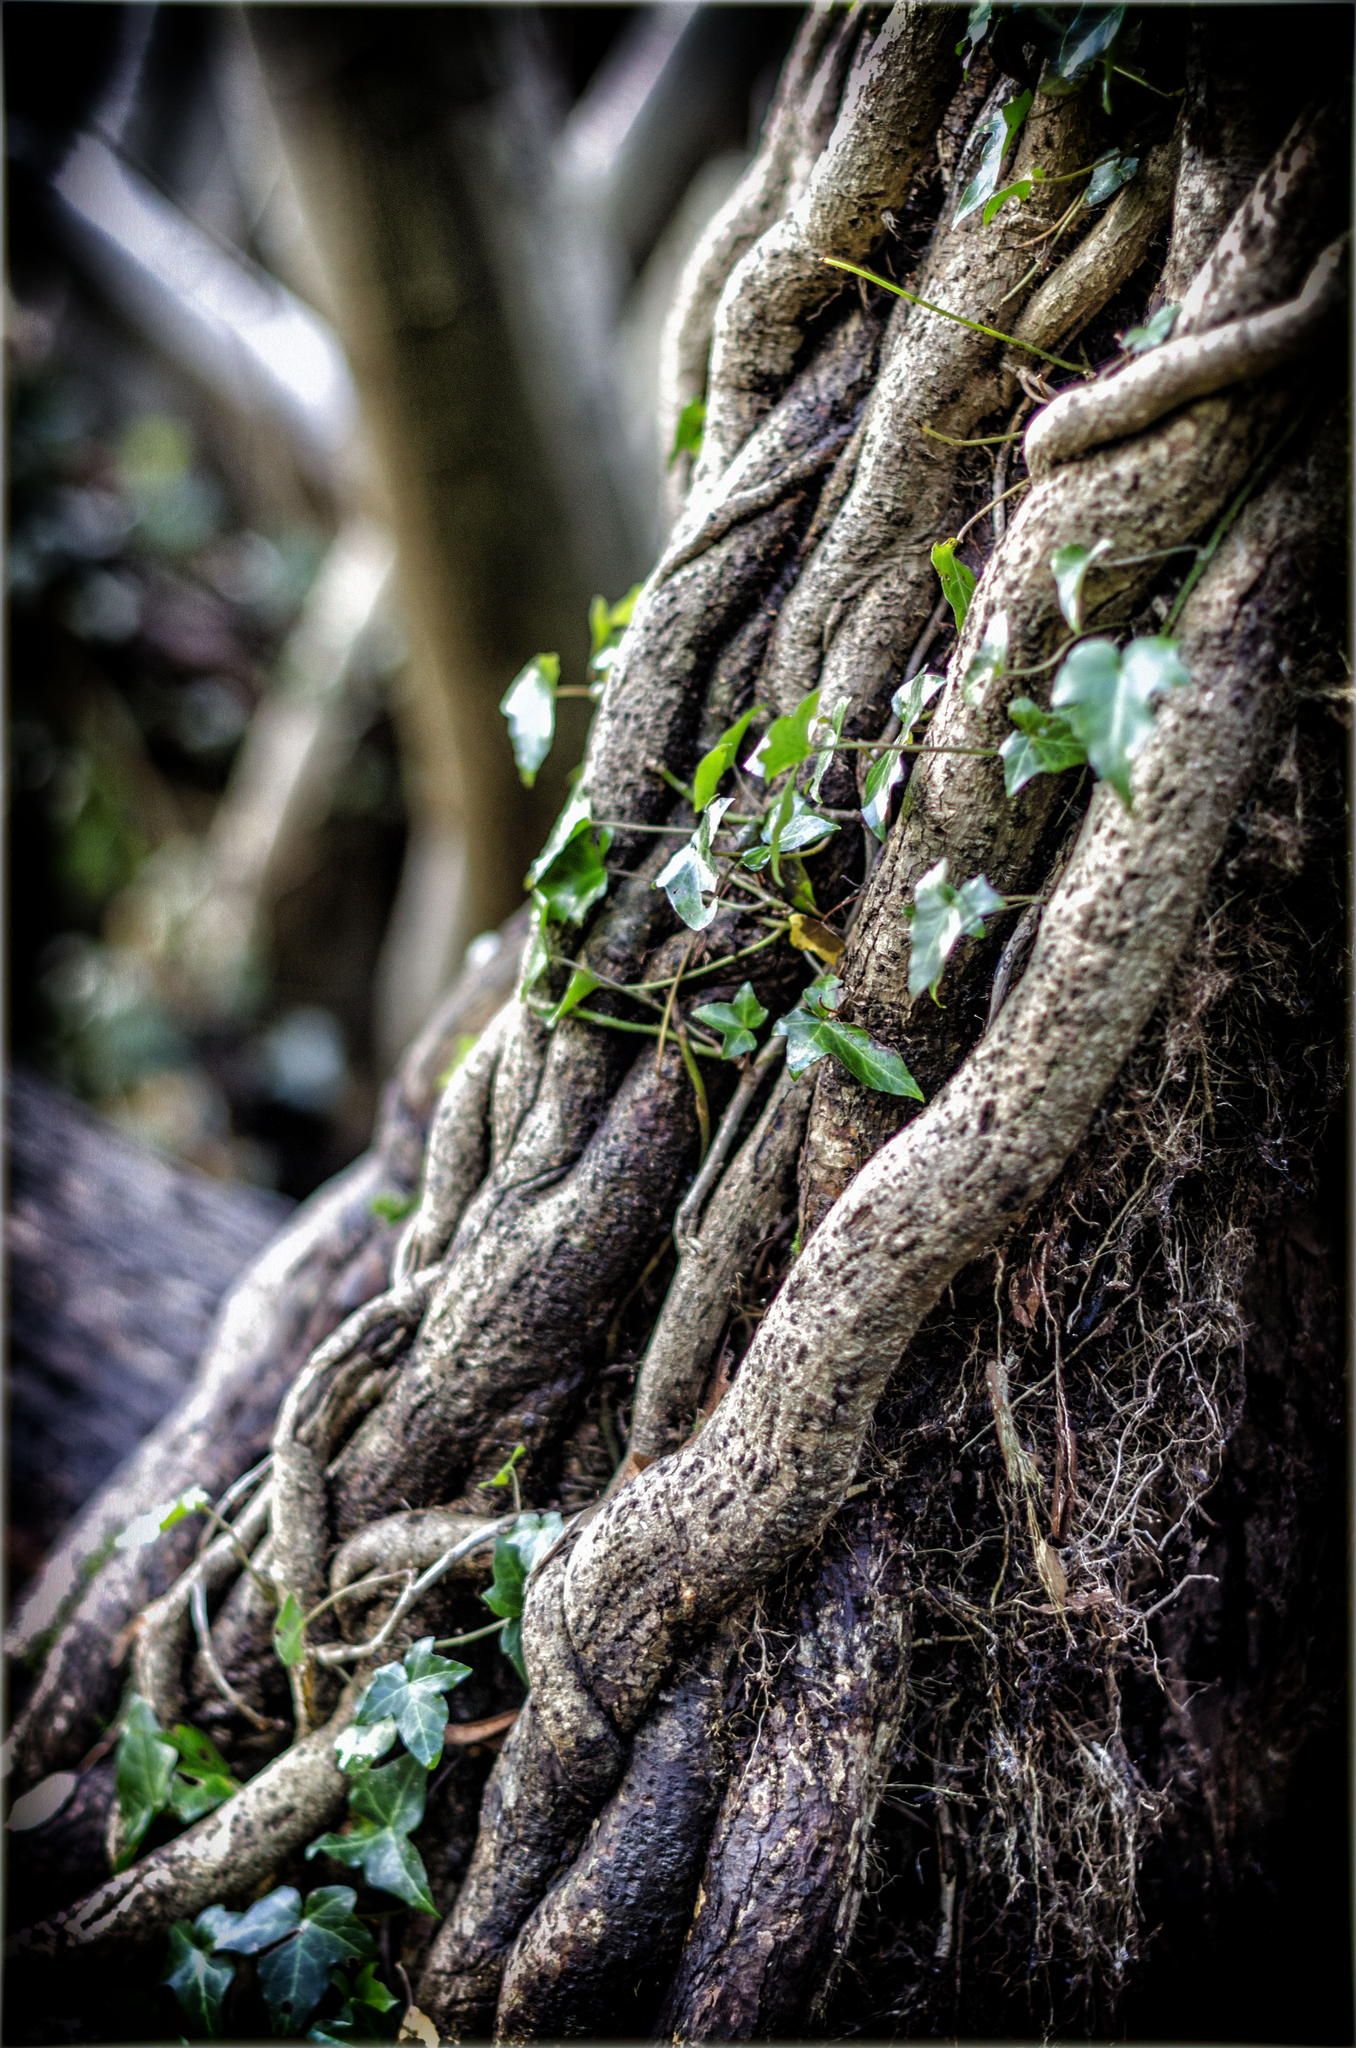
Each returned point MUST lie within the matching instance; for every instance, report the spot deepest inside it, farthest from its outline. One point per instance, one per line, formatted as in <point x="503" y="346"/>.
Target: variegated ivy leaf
<point x="1069" y="565"/>
<point x="689" y="879"/>
<point x="411" y="1693"/>
<point x="940" y="916"/>
<point x="529" y="707"/>
<point x="786" y="743"/>
<point x="1003" y="125"/>
<point x="989" y="659"/>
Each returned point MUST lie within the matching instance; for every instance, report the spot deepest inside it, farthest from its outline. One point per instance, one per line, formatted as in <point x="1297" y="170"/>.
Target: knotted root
<point x="1171" y="376"/>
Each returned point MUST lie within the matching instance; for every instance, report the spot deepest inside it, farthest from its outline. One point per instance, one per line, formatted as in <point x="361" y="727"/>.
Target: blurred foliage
<point x="147" y="610"/>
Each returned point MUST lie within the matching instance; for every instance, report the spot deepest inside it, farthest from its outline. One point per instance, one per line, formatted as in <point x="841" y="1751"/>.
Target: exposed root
<point x="1179" y="371"/>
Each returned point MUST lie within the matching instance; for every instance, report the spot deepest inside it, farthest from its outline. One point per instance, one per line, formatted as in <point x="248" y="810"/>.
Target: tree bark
<point x="866" y="1689"/>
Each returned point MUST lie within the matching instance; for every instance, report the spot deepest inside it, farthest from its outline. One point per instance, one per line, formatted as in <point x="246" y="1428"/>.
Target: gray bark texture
<point x="942" y="1636"/>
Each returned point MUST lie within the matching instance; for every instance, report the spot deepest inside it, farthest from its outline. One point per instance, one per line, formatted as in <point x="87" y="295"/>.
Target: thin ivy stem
<point x="975" y="326"/>
<point x="976" y="441"/>
<point x="1022" y="484"/>
<point x="472" y="1635"/>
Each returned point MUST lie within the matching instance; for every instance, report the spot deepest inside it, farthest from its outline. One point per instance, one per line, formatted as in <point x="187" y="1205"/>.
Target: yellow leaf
<point x="417" y="2026"/>
<point x="810" y="936"/>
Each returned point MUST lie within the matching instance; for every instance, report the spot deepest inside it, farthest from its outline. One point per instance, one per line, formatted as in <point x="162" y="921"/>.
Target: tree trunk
<point x="942" y="1636"/>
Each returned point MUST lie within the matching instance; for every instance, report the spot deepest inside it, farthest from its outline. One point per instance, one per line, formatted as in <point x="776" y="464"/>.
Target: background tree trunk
<point x="943" y="1635"/>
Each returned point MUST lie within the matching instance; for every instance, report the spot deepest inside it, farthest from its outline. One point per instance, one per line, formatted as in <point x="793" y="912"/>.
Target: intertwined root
<point x="746" y="1636"/>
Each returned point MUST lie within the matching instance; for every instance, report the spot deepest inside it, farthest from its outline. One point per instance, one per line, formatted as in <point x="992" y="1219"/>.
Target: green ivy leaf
<point x="356" y="1748"/>
<point x="529" y="706"/>
<point x="1043" y="744"/>
<point x="576" y="878"/>
<point x="911" y="700"/>
<point x="786" y="743"/>
<point x="203" y="1780"/>
<point x="976" y="28"/>
<point x="1137" y="341"/>
<point x="1020" y="189"/>
<point x="504" y="1475"/>
<point x="515" y="1554"/>
<point x="882" y="779"/>
<point x="197" y="1977"/>
<point x="813" y="1032"/>
<point x="1109" y="173"/>
<point x="720" y="758"/>
<point x="1004" y="123"/>
<point x="411" y="1693"/>
<point x="941" y="916"/>
<point x="1069" y="565"/>
<point x="1107" y="698"/>
<point x="369" y="1990"/>
<point x="1087" y="41"/>
<point x="144" y="1529"/>
<point x="387" y="1804"/>
<point x="289" y="1632"/>
<point x="689" y="432"/>
<point x="958" y="582"/>
<point x="737" y="1021"/>
<point x="989" y="660"/>
<point x="792" y="826"/>
<point x="689" y="878"/>
<point x="143" y="1774"/>
<point x="393" y="1208"/>
<point x="580" y="984"/>
<point x="829" y="732"/>
<point x="268" y="1920"/>
<point x="295" y="1977"/>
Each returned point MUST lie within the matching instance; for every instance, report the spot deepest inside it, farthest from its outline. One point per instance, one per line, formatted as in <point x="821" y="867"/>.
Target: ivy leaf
<point x="295" y="1977"/>
<point x="529" y="706"/>
<point x="196" y="1976"/>
<point x="714" y="764"/>
<point x="911" y="700"/>
<point x="1107" y="698"/>
<point x="259" y="1926"/>
<point x="1043" y="744"/>
<point x="689" y="878"/>
<point x="144" y="1529"/>
<point x="289" y="1632"/>
<point x="1004" y="123"/>
<point x="580" y="984"/>
<point x="393" y="1208"/>
<point x="958" y="582"/>
<point x="369" y="1990"/>
<point x="810" y="1037"/>
<point x="143" y="1774"/>
<point x="1086" y="42"/>
<point x="387" y="1804"/>
<point x="689" y="431"/>
<point x="786" y="743"/>
<point x="1019" y="189"/>
<point x="1137" y="341"/>
<point x="203" y="1780"/>
<point x="1069" y="565"/>
<point x="410" y="1693"/>
<point x="576" y="878"/>
<point x="812" y="1031"/>
<point x="793" y="826"/>
<point x="827" y="732"/>
<point x="504" y="1475"/>
<point x="1109" y="173"/>
<point x="989" y="659"/>
<point x="941" y="916"/>
<point x="882" y="779"/>
<point x="737" y="1021"/>
<point x="976" y="28"/>
<point x="607" y="623"/>
<point x="356" y="1748"/>
<point x="515" y="1553"/>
